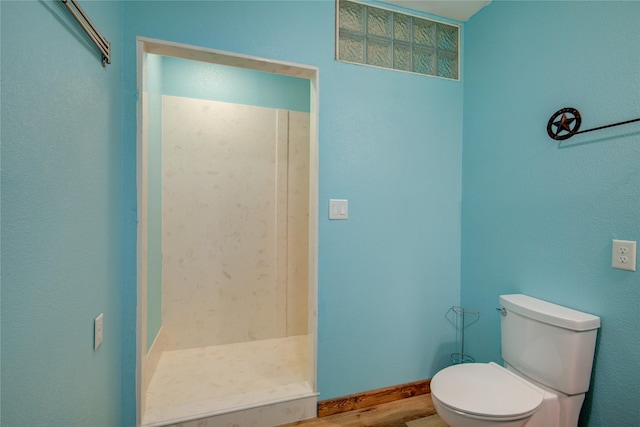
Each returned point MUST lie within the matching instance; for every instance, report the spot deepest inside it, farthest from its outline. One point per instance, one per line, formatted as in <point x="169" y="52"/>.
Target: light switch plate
<point x="338" y="209"/>
<point x="623" y="255"/>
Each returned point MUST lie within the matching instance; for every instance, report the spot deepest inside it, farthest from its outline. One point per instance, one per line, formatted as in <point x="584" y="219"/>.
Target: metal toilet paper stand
<point x="462" y="357"/>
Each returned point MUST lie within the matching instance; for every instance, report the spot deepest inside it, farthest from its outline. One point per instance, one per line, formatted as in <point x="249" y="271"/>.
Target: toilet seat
<point x="485" y="391"/>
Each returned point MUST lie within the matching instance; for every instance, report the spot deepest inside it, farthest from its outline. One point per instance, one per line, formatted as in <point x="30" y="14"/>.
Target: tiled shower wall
<point x="235" y="222"/>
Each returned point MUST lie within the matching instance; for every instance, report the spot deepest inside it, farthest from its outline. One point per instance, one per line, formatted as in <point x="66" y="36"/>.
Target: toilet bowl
<point x="483" y="395"/>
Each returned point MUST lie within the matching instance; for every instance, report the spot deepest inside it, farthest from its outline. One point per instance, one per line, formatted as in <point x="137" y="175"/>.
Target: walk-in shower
<point x="227" y="238"/>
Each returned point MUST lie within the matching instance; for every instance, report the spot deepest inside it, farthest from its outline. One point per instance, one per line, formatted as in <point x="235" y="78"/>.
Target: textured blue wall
<point x="390" y="142"/>
<point x="200" y="80"/>
<point x="61" y="130"/>
<point x="538" y="215"/>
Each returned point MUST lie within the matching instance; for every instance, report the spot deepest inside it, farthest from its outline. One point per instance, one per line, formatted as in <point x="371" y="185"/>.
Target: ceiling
<point x="460" y="10"/>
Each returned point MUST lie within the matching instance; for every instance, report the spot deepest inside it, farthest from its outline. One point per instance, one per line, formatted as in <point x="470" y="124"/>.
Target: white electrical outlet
<point x="98" y="331"/>
<point x="623" y="255"/>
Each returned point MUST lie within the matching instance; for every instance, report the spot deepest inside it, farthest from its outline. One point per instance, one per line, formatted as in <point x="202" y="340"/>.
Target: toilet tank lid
<point x="550" y="313"/>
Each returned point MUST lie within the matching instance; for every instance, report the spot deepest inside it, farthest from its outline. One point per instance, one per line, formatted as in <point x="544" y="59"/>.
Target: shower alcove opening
<point x="227" y="238"/>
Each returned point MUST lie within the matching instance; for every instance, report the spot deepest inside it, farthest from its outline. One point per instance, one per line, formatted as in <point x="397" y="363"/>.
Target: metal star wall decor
<point x="565" y="123"/>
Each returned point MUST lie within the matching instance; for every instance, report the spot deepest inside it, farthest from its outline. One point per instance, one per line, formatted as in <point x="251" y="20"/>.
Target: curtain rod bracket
<point x="98" y="39"/>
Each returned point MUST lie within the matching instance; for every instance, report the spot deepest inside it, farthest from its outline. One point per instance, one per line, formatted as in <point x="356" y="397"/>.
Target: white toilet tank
<point x="549" y="343"/>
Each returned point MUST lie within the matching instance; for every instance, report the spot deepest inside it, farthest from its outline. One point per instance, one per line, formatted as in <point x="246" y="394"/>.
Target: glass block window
<point x="383" y="38"/>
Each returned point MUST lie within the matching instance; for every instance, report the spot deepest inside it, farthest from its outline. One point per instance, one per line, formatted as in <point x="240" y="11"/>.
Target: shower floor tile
<point x="188" y="384"/>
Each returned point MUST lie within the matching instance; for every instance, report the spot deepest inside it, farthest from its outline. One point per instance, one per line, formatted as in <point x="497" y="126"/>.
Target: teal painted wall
<point x="538" y="215"/>
<point x="389" y="142"/>
<point x="200" y="80"/>
<point x="61" y="183"/>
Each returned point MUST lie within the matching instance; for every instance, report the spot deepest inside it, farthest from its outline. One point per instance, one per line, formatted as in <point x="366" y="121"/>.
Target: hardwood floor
<point x="415" y="411"/>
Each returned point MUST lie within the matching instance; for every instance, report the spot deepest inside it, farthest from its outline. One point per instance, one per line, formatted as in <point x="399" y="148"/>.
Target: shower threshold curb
<point x="277" y="411"/>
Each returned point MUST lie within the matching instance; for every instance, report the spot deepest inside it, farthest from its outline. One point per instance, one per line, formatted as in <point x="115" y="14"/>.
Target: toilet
<point x="548" y="355"/>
